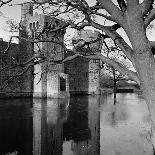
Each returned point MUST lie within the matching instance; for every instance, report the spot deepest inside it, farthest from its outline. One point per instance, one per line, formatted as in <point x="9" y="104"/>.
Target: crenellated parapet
<point x="41" y="26"/>
<point x="50" y="79"/>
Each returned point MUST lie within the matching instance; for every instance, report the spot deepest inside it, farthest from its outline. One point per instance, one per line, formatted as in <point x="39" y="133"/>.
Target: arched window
<point x="34" y="27"/>
<point x="37" y="25"/>
<point x="52" y="26"/>
<point x="62" y="84"/>
<point x="30" y="26"/>
<point x="57" y="23"/>
<point x="46" y="24"/>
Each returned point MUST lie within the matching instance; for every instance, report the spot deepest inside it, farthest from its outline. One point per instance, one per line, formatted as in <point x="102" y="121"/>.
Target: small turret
<point x="26" y="11"/>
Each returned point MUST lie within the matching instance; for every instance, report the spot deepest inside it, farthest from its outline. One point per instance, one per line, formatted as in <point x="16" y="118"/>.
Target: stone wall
<point x="84" y="73"/>
<point x="77" y="70"/>
<point x="17" y="54"/>
<point x="47" y="79"/>
<point x="12" y="85"/>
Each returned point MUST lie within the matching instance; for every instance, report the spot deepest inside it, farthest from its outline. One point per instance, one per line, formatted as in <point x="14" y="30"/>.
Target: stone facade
<point x="9" y="58"/>
<point x="84" y="73"/>
<point x="17" y="54"/>
<point x="48" y="79"/>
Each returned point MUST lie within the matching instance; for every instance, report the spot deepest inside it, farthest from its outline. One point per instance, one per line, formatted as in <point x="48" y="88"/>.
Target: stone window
<point x="37" y="25"/>
<point x="30" y="26"/>
<point x="57" y="23"/>
<point x="53" y="26"/>
<point x="34" y="25"/>
<point x="86" y="74"/>
<point x="62" y="84"/>
<point x="46" y="24"/>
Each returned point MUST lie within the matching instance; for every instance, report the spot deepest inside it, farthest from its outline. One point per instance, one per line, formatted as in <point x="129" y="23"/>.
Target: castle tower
<point x="49" y="80"/>
<point x="26" y="49"/>
<point x="84" y="73"/>
<point x="26" y="11"/>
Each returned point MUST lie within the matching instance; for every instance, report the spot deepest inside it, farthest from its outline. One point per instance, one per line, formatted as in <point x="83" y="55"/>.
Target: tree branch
<point x="113" y="10"/>
<point x="122" y="5"/>
<point x="116" y="38"/>
<point x="17" y="74"/>
<point x="4" y="2"/>
<point x="102" y="15"/>
<point x="132" y="4"/>
<point x="149" y="18"/>
<point x="118" y="66"/>
<point x="146" y="6"/>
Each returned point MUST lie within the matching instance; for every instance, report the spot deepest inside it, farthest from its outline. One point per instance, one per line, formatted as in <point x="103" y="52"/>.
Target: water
<point x="82" y="125"/>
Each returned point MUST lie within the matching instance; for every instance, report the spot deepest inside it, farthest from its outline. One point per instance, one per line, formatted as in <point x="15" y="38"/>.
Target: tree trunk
<point x="114" y="86"/>
<point x="144" y="62"/>
<point x="145" y="66"/>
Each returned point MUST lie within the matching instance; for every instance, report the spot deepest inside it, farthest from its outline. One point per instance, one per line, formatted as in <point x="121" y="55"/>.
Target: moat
<point x="80" y="125"/>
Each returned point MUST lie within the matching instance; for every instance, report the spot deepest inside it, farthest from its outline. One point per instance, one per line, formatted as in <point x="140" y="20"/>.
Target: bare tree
<point x="113" y="52"/>
<point x="133" y="17"/>
<point x="3" y="2"/>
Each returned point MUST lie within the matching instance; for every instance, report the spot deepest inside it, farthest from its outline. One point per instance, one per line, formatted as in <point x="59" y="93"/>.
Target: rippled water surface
<point x="81" y="125"/>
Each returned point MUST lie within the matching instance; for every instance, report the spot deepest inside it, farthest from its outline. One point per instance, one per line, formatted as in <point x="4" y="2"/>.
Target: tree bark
<point x="147" y="76"/>
<point x="144" y="63"/>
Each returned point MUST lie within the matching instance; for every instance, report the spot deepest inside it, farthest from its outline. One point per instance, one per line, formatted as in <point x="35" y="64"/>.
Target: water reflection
<point x="81" y="130"/>
<point x="16" y="126"/>
<point x="49" y="116"/>
<point x="81" y="125"/>
<point x="126" y="125"/>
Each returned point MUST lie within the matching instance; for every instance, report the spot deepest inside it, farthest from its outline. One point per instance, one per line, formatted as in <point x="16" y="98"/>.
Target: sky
<point x="14" y="12"/>
<point x="8" y="12"/>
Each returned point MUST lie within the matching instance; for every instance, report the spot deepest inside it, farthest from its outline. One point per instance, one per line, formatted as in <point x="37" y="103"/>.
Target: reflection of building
<point x="59" y="129"/>
<point x="49" y="116"/>
<point x="16" y="126"/>
<point x="82" y="129"/>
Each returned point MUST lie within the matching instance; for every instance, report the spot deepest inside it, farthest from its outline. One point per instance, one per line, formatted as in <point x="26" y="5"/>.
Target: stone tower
<point x="49" y="78"/>
<point x="84" y="73"/>
<point x="26" y="49"/>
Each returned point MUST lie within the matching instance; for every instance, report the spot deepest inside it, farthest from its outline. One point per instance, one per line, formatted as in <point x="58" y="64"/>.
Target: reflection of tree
<point x="117" y="113"/>
<point x="76" y="127"/>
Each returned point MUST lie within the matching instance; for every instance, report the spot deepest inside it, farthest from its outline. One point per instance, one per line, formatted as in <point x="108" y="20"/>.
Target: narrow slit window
<point x="62" y="84"/>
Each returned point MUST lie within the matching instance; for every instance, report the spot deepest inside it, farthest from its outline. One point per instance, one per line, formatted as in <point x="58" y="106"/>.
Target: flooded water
<point x="81" y="125"/>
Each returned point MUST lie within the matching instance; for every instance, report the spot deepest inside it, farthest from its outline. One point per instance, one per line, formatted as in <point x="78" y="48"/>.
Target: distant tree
<point x="113" y="52"/>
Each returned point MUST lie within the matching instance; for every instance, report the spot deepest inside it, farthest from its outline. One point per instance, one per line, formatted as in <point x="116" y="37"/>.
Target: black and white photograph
<point x="77" y="77"/>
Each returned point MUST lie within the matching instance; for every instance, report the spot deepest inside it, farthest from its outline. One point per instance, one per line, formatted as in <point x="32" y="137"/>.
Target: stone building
<point x="48" y="79"/>
<point x="9" y="57"/>
<point x="84" y="73"/>
<point x="53" y="80"/>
